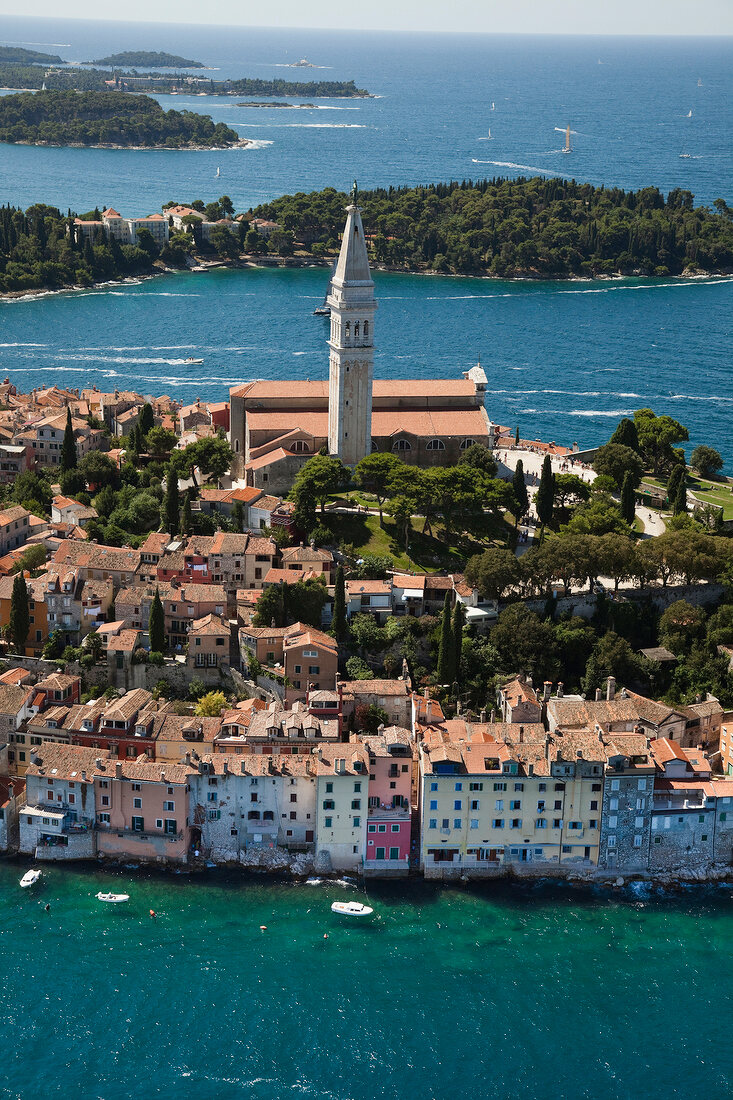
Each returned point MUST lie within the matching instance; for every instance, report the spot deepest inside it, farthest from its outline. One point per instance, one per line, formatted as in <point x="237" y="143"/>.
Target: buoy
<point x="152" y="913"/>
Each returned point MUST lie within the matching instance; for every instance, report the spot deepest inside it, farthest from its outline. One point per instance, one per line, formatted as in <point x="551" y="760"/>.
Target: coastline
<point x="241" y="144"/>
<point x="265" y="262"/>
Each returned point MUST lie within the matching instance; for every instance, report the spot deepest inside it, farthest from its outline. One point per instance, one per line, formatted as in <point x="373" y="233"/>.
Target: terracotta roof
<point x="13" y="698"/>
<point x="376" y="687"/>
<point x="305" y="553"/>
<point x="209" y="625"/>
<point x="57" y="761"/>
<point x="10" y="515"/>
<point x="125" y="641"/>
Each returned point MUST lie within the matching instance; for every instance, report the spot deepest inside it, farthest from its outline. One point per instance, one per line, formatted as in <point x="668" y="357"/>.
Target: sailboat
<point x="493" y="105"/>
<point x="567" y="148"/>
<point x="699" y="82"/>
<point x="218" y="172"/>
<point x="689" y="114"/>
<point x="324" y="309"/>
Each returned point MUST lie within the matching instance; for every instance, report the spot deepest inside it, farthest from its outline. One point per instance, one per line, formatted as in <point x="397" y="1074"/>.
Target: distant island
<point x="14" y="55"/>
<point x="155" y="60"/>
<point x="281" y="106"/>
<point x="26" y="76"/>
<point x="107" y="119"/>
<point x="304" y="63"/>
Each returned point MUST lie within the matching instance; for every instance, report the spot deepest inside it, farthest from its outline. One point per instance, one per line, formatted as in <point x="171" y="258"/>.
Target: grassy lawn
<point x="427" y="553"/>
<point x="713" y="492"/>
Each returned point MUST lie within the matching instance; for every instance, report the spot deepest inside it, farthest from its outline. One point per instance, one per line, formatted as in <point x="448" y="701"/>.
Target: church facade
<point x="277" y="425"/>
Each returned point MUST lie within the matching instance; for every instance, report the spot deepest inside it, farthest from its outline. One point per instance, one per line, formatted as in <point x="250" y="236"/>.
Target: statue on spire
<point x="353" y="194"/>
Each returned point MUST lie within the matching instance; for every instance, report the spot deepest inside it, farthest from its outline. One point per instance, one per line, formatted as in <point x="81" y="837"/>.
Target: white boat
<point x="29" y="878"/>
<point x="193" y="362"/>
<point x="685" y="156"/>
<point x="112" y="899"/>
<point x="689" y="114"/>
<point x="493" y="105"/>
<point x="218" y="172"/>
<point x="351" y="909"/>
<point x="568" y="148"/>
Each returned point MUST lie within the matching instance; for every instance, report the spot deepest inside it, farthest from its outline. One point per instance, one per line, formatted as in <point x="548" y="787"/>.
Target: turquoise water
<point x="564" y="360"/>
<point x="524" y="992"/>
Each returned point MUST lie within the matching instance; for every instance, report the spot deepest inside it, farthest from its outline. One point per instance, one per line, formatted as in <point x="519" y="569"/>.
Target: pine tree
<point x="545" y="494"/>
<point x="68" y="447"/>
<point x="446" y="651"/>
<point x="171" y="503"/>
<point x="156" y="625"/>
<point x="680" y="500"/>
<point x="338" y="626"/>
<point x="519" y="487"/>
<point x="19" y="613"/>
<point x="457" y="639"/>
<point x="626" y="433"/>
<point x="628" y="499"/>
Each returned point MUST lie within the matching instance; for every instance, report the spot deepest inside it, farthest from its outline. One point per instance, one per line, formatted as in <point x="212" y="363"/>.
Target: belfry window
<point x="356" y="331"/>
<point x="347" y="330"/>
<point x="366" y="329"/>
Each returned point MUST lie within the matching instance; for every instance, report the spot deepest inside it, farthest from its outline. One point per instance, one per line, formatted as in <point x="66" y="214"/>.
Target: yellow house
<point x="342" y="800"/>
<point x="38" y="628"/>
<point x="493" y="794"/>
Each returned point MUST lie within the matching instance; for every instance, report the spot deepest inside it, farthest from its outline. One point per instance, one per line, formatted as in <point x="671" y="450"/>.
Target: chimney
<point x="548" y="690"/>
<point x="482" y="717"/>
<point x="598" y="695"/>
<point x="521" y="735"/>
<point x="560" y="689"/>
<point x="187" y="759"/>
<point x="493" y="715"/>
<point x="610" y="689"/>
<point x="98" y="762"/>
<point x="118" y="769"/>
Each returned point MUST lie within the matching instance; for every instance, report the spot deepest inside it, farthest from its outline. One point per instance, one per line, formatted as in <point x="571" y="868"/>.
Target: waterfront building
<point x="342" y="773"/>
<point x="57" y="820"/>
<point x="12" y="797"/>
<point x="628" y="801"/>
<point x="277" y="425"/>
<point x="142" y="810"/>
<point x="274" y="729"/>
<point x="392" y="759"/>
<point x="15" y="709"/>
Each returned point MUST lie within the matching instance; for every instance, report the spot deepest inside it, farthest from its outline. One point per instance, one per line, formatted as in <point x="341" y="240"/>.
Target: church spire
<point x="351" y="344"/>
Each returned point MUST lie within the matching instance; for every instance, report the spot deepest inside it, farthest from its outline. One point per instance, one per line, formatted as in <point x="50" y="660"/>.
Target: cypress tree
<point x="68" y="447"/>
<point x="628" y="499"/>
<point x="519" y="488"/>
<point x="673" y="482"/>
<point x="156" y="625"/>
<point x="545" y="494"/>
<point x="171" y="503"/>
<point x="186" y="518"/>
<point x="680" y="500"/>
<point x="446" y="651"/>
<point x="238" y="516"/>
<point x="19" y="613"/>
<point x="339" y="627"/>
<point x="145" y="419"/>
<point x="516" y="437"/>
<point x="457" y="638"/>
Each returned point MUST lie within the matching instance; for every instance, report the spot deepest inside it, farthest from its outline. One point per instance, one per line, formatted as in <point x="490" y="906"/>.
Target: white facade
<point x="351" y="344"/>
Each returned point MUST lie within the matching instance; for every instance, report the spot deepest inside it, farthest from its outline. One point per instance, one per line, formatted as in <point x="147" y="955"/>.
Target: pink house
<point x="142" y="810"/>
<point x="389" y="819"/>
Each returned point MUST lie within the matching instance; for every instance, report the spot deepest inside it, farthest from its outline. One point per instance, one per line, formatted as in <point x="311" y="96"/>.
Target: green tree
<point x="210" y="705"/>
<point x="679" y="504"/>
<point x="358" y="669"/>
<point x="19" y="613"/>
<point x="339" y="626"/>
<point x="447" y="650"/>
<point x="318" y="479"/>
<point x="678" y="474"/>
<point x="156" y="624"/>
<point x="238" y="516"/>
<point x="611" y="656"/>
<point x="146" y="420"/>
<point x="706" y="460"/>
<point x="524" y="643"/>
<point x="186" y="521"/>
<point x="521" y="496"/>
<point x="374" y="473"/>
<point x="681" y="626"/>
<point x="366" y="633"/>
<point x="480" y="458"/>
<point x="599" y="516"/>
<point x="458" y="621"/>
<point x="171" y="506"/>
<point x="160" y="441"/>
<point x="32" y="558"/>
<point x="628" y="498"/>
<point x="626" y="434"/>
<point x="544" y="500"/>
<point x="493" y="572"/>
<point x="68" y="447"/>
<point x="99" y="470"/>
<point x="570" y="489"/>
<point x="657" y="436"/>
<point x="616" y="461"/>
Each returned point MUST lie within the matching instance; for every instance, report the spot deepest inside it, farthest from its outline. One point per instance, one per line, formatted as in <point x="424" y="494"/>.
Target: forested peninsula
<point x="107" y="119"/>
<point x="155" y="59"/>
<point x="518" y="228"/>
<point x="15" y="55"/>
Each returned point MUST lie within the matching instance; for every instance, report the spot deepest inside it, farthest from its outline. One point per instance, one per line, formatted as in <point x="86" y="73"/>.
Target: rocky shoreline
<point x="241" y="144"/>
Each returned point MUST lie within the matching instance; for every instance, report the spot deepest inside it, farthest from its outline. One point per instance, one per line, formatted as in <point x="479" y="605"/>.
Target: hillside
<point x="14" y="55"/>
<point x="520" y="228"/>
<point x="106" y="118"/>
<point x="150" y="59"/>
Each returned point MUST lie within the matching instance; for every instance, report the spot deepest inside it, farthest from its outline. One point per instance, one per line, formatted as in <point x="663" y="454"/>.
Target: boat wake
<point x="521" y="167"/>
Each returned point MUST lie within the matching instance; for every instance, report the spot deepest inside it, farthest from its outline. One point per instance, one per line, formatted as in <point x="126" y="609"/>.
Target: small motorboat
<point x="112" y="899"/>
<point x="351" y="909"/>
<point x="193" y="362"/>
<point x="30" y="878"/>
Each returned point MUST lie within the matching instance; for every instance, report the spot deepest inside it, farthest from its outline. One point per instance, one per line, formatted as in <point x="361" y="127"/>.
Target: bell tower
<point x="351" y="345"/>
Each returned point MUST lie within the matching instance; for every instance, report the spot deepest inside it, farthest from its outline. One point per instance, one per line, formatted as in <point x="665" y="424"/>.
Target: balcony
<point x="142" y="834"/>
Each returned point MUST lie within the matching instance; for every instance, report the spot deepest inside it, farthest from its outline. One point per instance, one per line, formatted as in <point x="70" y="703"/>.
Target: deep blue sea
<point x="564" y="360"/>
<point x="509" y="993"/>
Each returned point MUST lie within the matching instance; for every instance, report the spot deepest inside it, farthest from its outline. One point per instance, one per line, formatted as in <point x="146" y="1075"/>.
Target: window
<point x="498" y="823"/>
<point x="612" y="842"/>
<point x="293" y="798"/>
<point x="637" y="841"/>
<point x="433" y="823"/>
<point x="329" y="788"/>
<point x="137" y="803"/>
<point x="212" y="796"/>
<point x="138" y="824"/>
<point x="641" y="784"/>
<point x="515" y="804"/>
<point x="357" y="786"/>
<point x="433" y="786"/>
<point x="499" y="786"/>
<point x="435" y="445"/>
<point x="105" y="800"/>
<point x="445" y="823"/>
<point x="383" y="828"/>
<point x="459" y="786"/>
<point x="103" y="818"/>
<point x="402" y="445"/>
<point x="395" y="828"/>
<point x="357" y="822"/>
<point x="457" y="804"/>
<point x="519" y="786"/>
<point x="466" y="443"/>
<point x="474" y="786"/>
<point x="356" y="804"/>
<point x="433" y="803"/>
<point x="329" y="804"/>
<point x="575" y="825"/>
<point x="457" y="823"/>
<point x="593" y="823"/>
<point x="474" y="823"/>
<point x="475" y="804"/>
<point x="328" y="822"/>
<point x="557" y="823"/>
<point x="516" y="823"/>
<point x="540" y="823"/>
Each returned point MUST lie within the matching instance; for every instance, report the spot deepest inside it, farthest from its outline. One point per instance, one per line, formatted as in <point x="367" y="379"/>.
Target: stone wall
<point x="584" y="603"/>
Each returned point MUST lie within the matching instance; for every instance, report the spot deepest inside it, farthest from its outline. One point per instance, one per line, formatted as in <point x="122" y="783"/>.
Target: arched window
<point x="366" y="329"/>
<point x="347" y="330"/>
<point x="299" y="447"/>
<point x="268" y="815"/>
<point x="236" y="446"/>
<point x="436" y="445"/>
<point x="467" y="443"/>
<point x="402" y="445"/>
<point x="374" y="446"/>
<point x="356" y="330"/>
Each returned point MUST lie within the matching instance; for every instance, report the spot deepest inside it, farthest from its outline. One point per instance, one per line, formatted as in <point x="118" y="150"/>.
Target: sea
<point x="245" y="987"/>
<point x="564" y="360"/>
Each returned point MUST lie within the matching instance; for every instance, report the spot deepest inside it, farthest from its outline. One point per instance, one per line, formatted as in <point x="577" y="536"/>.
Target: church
<point x="276" y="426"/>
